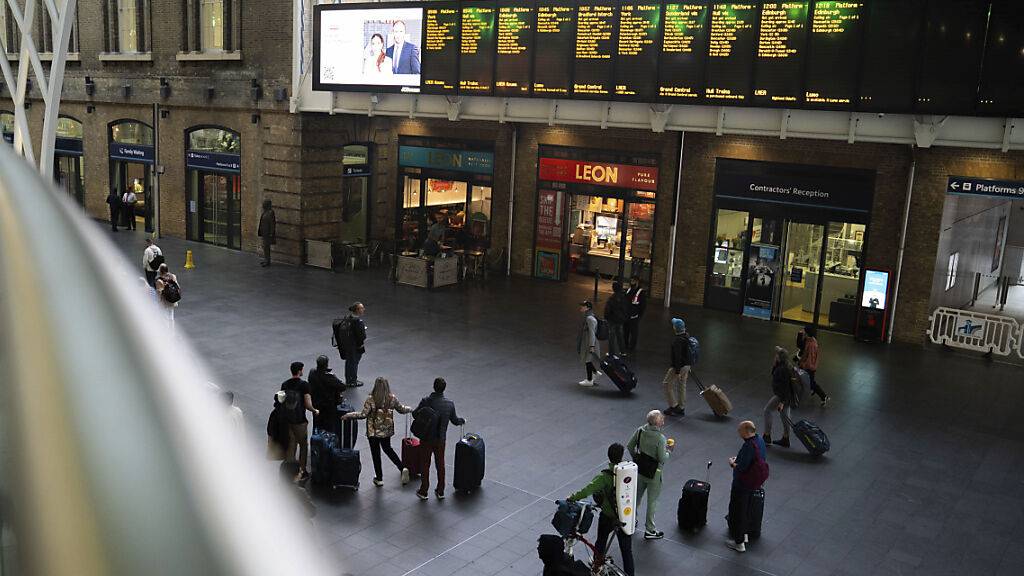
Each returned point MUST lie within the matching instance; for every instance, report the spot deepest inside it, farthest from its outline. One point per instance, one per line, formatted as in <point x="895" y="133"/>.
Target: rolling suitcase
<point x="333" y="466"/>
<point x="755" y="513"/>
<point x="469" y="463"/>
<point x="813" y="438"/>
<point x="692" y="512"/>
<point x="714" y="396"/>
<point x="349" y="429"/>
<point x="620" y="374"/>
<point x="412" y="457"/>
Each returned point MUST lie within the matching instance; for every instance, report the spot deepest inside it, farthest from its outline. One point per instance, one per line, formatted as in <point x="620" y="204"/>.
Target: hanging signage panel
<point x="985" y="187"/>
<point x="795" y="184"/>
<point x="475" y="161"/>
<point x="213" y="161"/>
<point x="68" y="146"/>
<point x="132" y="153"/>
<point x="599" y="173"/>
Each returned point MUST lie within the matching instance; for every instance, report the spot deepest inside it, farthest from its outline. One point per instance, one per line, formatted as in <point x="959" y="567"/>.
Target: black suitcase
<point x="813" y="438"/>
<point x="755" y="513"/>
<point x="617" y="371"/>
<point x="469" y="463"/>
<point x="349" y="429"/>
<point x="333" y="466"/>
<point x="692" y="512"/>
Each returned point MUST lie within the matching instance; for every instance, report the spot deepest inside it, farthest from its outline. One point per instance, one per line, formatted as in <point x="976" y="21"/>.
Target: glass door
<point x="219" y="202"/>
<point x="640" y="240"/>
<point x="412" y="225"/>
<point x="840" y="282"/>
<point x="354" y="209"/>
<point x="801" y="272"/>
<point x="729" y="245"/>
<point x="763" y="269"/>
<point x="68" y="171"/>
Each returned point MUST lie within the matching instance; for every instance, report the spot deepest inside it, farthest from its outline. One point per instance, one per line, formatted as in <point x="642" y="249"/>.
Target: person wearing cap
<point x="325" y="390"/>
<point x="616" y="313"/>
<point x="587" y="346"/>
<point x="277" y="429"/>
<point x="674" y="382"/>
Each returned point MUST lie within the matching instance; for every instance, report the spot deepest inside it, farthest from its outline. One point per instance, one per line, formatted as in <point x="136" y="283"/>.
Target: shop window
<point x="479" y="213"/>
<point x="131" y="132"/>
<point x="951" y="273"/>
<point x="212" y="26"/>
<point x="411" y="193"/>
<point x="46" y="32"/>
<point x="69" y="128"/>
<point x="730" y="243"/>
<point x="214" y="140"/>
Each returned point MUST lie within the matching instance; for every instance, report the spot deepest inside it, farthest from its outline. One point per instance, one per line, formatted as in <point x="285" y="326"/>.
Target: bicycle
<point x="599" y="565"/>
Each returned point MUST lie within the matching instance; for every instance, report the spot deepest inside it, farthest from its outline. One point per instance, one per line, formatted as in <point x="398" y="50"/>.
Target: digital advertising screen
<point x="476" y="52"/>
<point x="636" y="56"/>
<point x="594" y="56"/>
<point x="779" y="63"/>
<point x="684" y="52"/>
<point x="833" y="55"/>
<point x="876" y="289"/>
<point x="513" y="68"/>
<point x="373" y="47"/>
<point x="442" y="44"/>
<point x="731" y="47"/>
<point x="555" y="41"/>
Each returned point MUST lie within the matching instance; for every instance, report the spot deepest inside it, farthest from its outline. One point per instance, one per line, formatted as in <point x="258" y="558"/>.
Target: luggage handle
<point x="707" y="477"/>
<point x="700" y="385"/>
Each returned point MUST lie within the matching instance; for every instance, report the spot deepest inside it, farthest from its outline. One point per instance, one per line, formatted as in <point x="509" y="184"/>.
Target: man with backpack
<point x="674" y="383"/>
<point x="636" y="300"/>
<point x="152" y="258"/>
<point x="749" y="473"/>
<point x="650" y="450"/>
<point x="168" y="292"/>
<point x="616" y="315"/>
<point x="350" y="338"/>
<point x="602" y="488"/>
<point x="430" y="425"/>
<point x="297" y="401"/>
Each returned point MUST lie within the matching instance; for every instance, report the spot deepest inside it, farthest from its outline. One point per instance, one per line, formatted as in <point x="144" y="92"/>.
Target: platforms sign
<point x="985" y="187"/>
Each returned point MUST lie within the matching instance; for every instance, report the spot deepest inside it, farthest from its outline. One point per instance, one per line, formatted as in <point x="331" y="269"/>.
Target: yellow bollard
<point x="189" y="264"/>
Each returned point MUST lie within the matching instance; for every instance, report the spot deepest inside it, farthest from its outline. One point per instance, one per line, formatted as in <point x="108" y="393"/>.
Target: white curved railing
<point x="976" y="331"/>
<point x="114" y="457"/>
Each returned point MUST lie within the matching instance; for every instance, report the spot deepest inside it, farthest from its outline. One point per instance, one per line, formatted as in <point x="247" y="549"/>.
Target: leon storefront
<point x="595" y="213"/>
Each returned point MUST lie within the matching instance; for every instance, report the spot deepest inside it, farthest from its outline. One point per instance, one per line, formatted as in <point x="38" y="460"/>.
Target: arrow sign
<point x="985" y="187"/>
<point x="954" y="185"/>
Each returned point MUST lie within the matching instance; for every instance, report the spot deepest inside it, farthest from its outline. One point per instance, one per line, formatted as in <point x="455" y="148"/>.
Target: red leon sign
<point x="599" y="173"/>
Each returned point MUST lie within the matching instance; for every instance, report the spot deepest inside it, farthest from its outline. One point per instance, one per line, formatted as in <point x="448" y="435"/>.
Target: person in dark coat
<point x="435" y="444"/>
<point x="616" y="313"/>
<point x="354" y="344"/>
<point x="636" y="300"/>
<point x="277" y="429"/>
<point x="114" y="200"/>
<point x="325" y="389"/>
<point x="782" y="397"/>
<point x="267" y="231"/>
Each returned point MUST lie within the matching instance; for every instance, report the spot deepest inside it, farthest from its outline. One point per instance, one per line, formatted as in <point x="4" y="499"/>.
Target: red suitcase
<point x="411" y="457"/>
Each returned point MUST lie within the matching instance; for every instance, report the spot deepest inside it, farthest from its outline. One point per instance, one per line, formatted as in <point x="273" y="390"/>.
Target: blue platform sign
<point x="985" y="187"/>
<point x="132" y="153"/>
<point x="475" y="161"/>
<point x="353" y="170"/>
<point x="213" y="161"/>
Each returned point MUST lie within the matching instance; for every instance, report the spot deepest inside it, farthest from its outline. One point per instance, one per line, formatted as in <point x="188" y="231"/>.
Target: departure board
<point x="833" y="55"/>
<point x="476" y="49"/>
<point x="594" y="55"/>
<point x="684" y="52"/>
<point x="1002" y="86"/>
<point x="954" y="43"/>
<point x="441" y="48"/>
<point x="555" y="40"/>
<point x="636" y="56"/>
<point x="890" y="55"/>
<point x="731" y="51"/>
<point x="781" y="43"/>
<point x="514" y="59"/>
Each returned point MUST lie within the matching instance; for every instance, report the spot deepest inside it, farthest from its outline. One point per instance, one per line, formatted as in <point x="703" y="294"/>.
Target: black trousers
<point x="630" y="331"/>
<point x="378" y="444"/>
<point x="815" y="389"/>
<point x="115" y="213"/>
<point x="605" y="526"/>
<point x="739" y="499"/>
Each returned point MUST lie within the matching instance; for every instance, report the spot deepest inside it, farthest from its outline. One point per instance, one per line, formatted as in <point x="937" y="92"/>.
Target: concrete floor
<point x="925" y="476"/>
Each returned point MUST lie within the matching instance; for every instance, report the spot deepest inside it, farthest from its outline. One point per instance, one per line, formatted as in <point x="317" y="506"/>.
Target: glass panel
<point x="446" y="193"/>
<point x="801" y="274"/>
<point x="354" y="154"/>
<point x="127" y="34"/>
<point x="446" y="209"/>
<point x="841" y="280"/>
<point x="132" y="133"/>
<point x="192" y="210"/>
<point x="68" y="175"/>
<point x="410" y="234"/>
<point x="479" y="227"/>
<point x="211" y="15"/>
<point x="215" y="209"/>
<point x="7" y="126"/>
<point x="69" y="128"/>
<point x="729" y="245"/>
<point x="353" y="209"/>
<point x="596" y="224"/>
<point x="136" y="179"/>
<point x="214" y="140"/>
<point x="234" y="184"/>
<point x="640" y="241"/>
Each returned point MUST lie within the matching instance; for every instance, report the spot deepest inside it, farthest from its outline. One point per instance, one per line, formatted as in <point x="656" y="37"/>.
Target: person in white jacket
<point x="150" y="262"/>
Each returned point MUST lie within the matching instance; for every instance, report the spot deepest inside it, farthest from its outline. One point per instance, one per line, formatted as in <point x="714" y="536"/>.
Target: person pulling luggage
<point x="602" y="488"/>
<point x="588" y="348"/>
<point x="616" y="314"/>
<point x="379" y="412"/>
<point x="749" y="472"/>
<point x="650" y="450"/>
<point x="807" y="343"/>
<point x="674" y="382"/>
<point x="782" y="398"/>
<point x="438" y="411"/>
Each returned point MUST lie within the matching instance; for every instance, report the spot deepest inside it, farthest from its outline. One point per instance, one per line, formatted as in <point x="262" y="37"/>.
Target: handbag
<point x="647" y="466"/>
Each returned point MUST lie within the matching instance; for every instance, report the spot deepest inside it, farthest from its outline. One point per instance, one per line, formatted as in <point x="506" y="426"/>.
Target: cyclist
<point x="602" y="488"/>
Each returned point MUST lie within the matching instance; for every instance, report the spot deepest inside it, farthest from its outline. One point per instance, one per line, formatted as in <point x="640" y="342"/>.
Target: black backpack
<point x="155" y="263"/>
<point x="424" y="423"/>
<point x="343" y="333"/>
<point x="171" y="292"/>
<point x="602" y="329"/>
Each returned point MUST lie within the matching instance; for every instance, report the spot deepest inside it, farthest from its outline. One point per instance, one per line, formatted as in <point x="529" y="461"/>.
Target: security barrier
<point x="975" y="331"/>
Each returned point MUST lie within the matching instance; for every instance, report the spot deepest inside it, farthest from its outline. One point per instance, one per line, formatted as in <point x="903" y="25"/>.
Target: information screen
<point x="876" y="289"/>
<point x="476" y="53"/>
<point x="555" y="40"/>
<point x="595" y="49"/>
<point x="636" y="59"/>
<point x="684" y="52"/>
<point x="781" y="42"/>
<point x="514" y="60"/>
<point x="354" y="48"/>
<point x="833" y="54"/>
<point x="441" y="48"/>
<point x="891" y="55"/>
<point x="1002" y="83"/>
<point x="731" y="51"/>
<point x="954" y="41"/>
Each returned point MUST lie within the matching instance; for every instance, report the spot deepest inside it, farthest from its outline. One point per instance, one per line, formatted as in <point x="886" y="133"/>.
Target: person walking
<point x="807" y="343"/>
<point x="325" y="389"/>
<point x="588" y="349"/>
<point x="379" y="411"/>
<point x="650" y="450"/>
<point x="297" y="402"/>
<point x="636" y="300"/>
<point x="674" y="382"/>
<point x="749" y="472"/>
<point x="168" y="292"/>
<point x="616" y="314"/>
<point x="114" y="200"/>
<point x="128" y="201"/>
<point x="267" y="231"/>
<point x="434" y="443"/>
<point x="152" y="258"/>
<point x="602" y="487"/>
<point x="782" y="397"/>
<point x="352" y="343"/>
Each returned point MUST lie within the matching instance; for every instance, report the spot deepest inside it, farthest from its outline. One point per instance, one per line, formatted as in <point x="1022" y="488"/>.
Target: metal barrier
<point x="975" y="331"/>
<point x="114" y="457"/>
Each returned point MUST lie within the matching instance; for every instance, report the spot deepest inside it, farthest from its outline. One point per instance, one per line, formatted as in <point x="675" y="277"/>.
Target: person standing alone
<point x="636" y="300"/>
<point x="674" y="382"/>
<point x="650" y="450"/>
<point x="749" y="472"/>
<point x="587" y="347"/>
<point x="350" y="337"/>
<point x="114" y="200"/>
<point x="267" y="231"/>
<point x="152" y="258"/>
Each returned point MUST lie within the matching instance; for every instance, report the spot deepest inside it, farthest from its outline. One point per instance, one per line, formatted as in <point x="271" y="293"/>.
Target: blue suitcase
<point x="331" y="465"/>
<point x="813" y="438"/>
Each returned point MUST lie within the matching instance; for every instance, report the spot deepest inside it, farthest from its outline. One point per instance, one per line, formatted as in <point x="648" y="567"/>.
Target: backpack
<point x="155" y="263"/>
<point x="602" y="329"/>
<point x="694" y="348"/>
<point x="757" y="474"/>
<point x="171" y="292"/>
<point x="343" y="333"/>
<point x="424" y="422"/>
<point x="291" y="399"/>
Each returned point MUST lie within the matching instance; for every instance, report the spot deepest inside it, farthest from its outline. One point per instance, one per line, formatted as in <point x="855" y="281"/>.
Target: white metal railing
<point x="975" y="331"/>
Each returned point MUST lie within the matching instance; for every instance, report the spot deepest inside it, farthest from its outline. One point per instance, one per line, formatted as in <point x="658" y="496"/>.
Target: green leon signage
<point x="475" y="161"/>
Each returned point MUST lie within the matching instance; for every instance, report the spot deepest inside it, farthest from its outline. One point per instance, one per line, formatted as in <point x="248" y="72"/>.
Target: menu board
<point x="595" y="49"/>
<point x="636" y="65"/>
<point x="514" y="58"/>
<point x="779" y="64"/>
<point x="833" y="54"/>
<point x="441" y="48"/>
<point x="731" y="51"/>
<point x="555" y="38"/>
<point x="684" y="52"/>
<point x="1002" y="92"/>
<point x="890" y="55"/>
<point x="476" y="49"/>
<point x="954" y="43"/>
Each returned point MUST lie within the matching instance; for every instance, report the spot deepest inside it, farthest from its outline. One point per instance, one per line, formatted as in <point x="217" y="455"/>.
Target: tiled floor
<point x="925" y="476"/>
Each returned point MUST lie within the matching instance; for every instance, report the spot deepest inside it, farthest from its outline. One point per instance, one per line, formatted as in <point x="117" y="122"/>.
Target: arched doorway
<point x="131" y="156"/>
<point x="67" y="158"/>
<point x="214" y="208"/>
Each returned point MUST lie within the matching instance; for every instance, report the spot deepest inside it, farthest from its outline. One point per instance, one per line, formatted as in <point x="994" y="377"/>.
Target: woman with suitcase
<point x="379" y="412"/>
<point x="782" y="398"/>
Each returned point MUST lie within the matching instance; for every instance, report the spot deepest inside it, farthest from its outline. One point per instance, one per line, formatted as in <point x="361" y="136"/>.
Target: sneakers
<point x="675" y="411"/>
<point x="741" y="547"/>
<point x="439" y="494"/>
<point x="783" y="442"/>
<point x="405" y="476"/>
<point x="378" y="482"/>
<point x="587" y="383"/>
<point x="824" y="401"/>
<point x="422" y="496"/>
<point x="656" y="535"/>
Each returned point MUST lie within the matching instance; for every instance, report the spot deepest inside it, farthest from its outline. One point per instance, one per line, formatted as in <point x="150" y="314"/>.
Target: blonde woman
<point x="379" y="413"/>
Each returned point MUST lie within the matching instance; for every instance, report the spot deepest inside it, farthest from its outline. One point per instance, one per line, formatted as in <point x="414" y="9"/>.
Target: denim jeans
<point x="378" y="444"/>
<point x="352" y="366"/>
